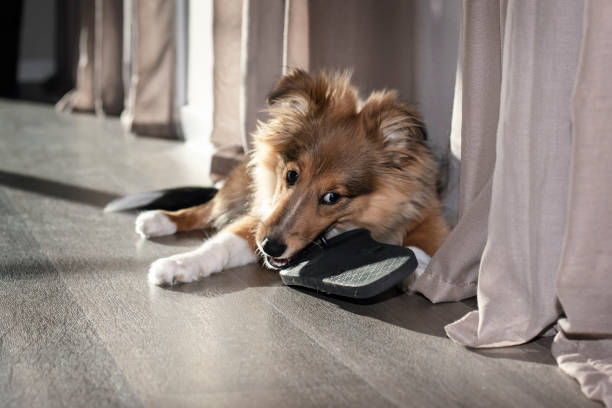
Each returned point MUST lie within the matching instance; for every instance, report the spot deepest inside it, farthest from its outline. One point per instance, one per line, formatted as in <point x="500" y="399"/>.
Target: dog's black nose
<point x="273" y="247"/>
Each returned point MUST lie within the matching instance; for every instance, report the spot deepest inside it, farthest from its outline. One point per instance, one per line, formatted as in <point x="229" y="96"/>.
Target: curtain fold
<point x="143" y="88"/>
<point x="151" y="110"/>
<point x="81" y="98"/>
<point x="529" y="187"/>
<point x="587" y="259"/>
<point x="531" y="241"/>
<point x="108" y="85"/>
<point x="262" y="59"/>
<point x="453" y="272"/>
<point x="583" y="347"/>
<point x="99" y="86"/>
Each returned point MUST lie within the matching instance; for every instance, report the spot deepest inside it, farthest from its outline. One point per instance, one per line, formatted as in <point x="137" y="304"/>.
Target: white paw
<point x="422" y="258"/>
<point x="170" y="271"/>
<point x="154" y="224"/>
<point x="423" y="261"/>
<point x="224" y="250"/>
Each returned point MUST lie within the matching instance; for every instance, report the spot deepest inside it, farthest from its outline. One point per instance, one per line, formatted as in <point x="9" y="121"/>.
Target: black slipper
<point x="351" y="264"/>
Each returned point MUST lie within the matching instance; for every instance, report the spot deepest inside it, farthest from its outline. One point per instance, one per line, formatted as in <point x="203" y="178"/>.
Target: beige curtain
<point x="98" y="80"/>
<point x="248" y="62"/>
<point x="583" y="346"/>
<point x="227" y="132"/>
<point x="151" y="105"/>
<point x="128" y="64"/>
<point x="531" y="242"/>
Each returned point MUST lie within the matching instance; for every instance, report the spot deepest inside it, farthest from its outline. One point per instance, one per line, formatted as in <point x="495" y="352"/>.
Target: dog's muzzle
<point x="273" y="249"/>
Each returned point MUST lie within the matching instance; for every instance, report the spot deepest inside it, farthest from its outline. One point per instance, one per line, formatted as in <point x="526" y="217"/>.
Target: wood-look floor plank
<point x="50" y="354"/>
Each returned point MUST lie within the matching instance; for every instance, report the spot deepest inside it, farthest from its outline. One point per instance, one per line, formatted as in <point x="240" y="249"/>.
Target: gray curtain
<point x="531" y="241"/>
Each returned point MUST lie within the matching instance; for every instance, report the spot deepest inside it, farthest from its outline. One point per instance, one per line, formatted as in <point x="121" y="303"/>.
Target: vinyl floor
<point x="81" y="327"/>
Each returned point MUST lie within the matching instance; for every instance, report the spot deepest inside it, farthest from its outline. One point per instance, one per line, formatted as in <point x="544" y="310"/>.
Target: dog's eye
<point x="330" y="198"/>
<point x="291" y="177"/>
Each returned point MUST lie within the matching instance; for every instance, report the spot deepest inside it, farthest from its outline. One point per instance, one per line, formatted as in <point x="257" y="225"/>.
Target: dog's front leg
<point x="233" y="246"/>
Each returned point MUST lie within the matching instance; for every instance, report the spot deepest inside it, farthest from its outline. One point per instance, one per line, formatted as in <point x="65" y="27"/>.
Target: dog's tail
<point x="170" y="199"/>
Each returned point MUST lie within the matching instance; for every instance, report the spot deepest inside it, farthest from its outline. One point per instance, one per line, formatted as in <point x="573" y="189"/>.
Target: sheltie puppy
<point x="324" y="162"/>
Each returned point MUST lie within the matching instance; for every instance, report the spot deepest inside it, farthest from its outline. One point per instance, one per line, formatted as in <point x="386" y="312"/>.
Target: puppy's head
<point x="322" y="161"/>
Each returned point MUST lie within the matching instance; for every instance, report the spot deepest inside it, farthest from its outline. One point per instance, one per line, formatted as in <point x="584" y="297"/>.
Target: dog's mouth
<point x="281" y="263"/>
<point x="277" y="263"/>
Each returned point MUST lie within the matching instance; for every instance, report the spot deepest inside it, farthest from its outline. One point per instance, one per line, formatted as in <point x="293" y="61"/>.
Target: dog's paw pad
<point x="169" y="271"/>
<point x="154" y="224"/>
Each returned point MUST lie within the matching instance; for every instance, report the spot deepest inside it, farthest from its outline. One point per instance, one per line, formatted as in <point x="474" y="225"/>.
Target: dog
<point x="324" y="162"/>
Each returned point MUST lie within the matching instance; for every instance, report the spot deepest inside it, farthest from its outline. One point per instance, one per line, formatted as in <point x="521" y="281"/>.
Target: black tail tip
<point x="170" y="199"/>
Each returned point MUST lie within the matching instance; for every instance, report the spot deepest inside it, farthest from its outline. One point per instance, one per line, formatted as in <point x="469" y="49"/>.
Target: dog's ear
<point x="297" y="83"/>
<point x="299" y="89"/>
<point x="398" y="126"/>
<point x="310" y="94"/>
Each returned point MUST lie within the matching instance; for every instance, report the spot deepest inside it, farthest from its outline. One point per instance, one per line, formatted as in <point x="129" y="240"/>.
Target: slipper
<point x="351" y="264"/>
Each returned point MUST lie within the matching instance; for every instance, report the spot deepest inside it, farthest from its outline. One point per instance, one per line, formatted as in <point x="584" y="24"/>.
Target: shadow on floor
<point x="56" y="189"/>
<point x="415" y="313"/>
<point x="219" y="284"/>
<point x="226" y="282"/>
<point x="410" y="312"/>
<point x="532" y="352"/>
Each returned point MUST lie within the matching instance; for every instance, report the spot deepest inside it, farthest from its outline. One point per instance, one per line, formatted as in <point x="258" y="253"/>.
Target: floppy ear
<point x="398" y="126"/>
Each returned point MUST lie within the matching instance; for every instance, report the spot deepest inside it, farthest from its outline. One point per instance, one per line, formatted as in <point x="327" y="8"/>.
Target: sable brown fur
<point x="372" y="153"/>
